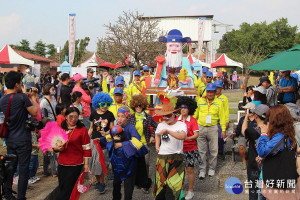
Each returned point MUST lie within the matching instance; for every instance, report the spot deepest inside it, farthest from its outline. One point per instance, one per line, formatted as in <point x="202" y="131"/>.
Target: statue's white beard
<point x="173" y="60"/>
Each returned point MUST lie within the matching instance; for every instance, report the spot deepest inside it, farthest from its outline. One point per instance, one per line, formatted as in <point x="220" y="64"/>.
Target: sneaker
<point x="189" y="195"/>
<point x="15" y="180"/>
<point x="202" y="175"/>
<point x="101" y="188"/>
<point x="31" y="181"/>
<point x="97" y="186"/>
<point x="221" y="156"/>
<point x="145" y="190"/>
<point x="211" y="172"/>
<point x="36" y="178"/>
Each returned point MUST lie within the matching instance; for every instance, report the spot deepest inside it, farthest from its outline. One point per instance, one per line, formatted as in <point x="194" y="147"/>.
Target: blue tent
<point x="65" y="67"/>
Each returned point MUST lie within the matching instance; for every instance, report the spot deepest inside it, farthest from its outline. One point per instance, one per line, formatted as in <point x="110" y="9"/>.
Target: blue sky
<point x="48" y="20"/>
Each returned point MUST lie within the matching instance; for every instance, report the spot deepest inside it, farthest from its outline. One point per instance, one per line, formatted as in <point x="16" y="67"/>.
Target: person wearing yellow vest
<point x="136" y="87"/>
<point x="202" y="85"/>
<point x="195" y="76"/>
<point x="202" y="78"/>
<point x="210" y="111"/>
<point x="224" y="99"/>
<point x="120" y="84"/>
<point x="142" y="122"/>
<point x="117" y="103"/>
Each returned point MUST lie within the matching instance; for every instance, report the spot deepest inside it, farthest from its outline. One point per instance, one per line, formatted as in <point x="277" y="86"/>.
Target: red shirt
<point x="78" y="147"/>
<point x="60" y="119"/>
<point x="192" y="126"/>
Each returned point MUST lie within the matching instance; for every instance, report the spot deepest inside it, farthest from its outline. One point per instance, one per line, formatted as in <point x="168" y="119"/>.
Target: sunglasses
<point x="73" y="117"/>
<point x="139" y="106"/>
<point x="104" y="104"/>
<point x="183" y="107"/>
<point x="208" y="77"/>
<point x="167" y="117"/>
<point x="146" y="70"/>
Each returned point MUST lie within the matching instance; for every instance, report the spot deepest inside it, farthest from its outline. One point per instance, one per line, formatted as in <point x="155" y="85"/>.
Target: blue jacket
<point x="265" y="145"/>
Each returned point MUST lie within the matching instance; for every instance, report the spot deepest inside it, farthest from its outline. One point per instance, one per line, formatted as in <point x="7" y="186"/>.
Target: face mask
<point x="256" y="103"/>
<point x="53" y="93"/>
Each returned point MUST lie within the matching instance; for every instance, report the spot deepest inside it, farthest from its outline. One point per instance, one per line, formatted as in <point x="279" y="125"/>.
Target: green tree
<point x="297" y="38"/>
<point x="24" y="46"/>
<point x="80" y="50"/>
<point x="51" y="50"/>
<point x="131" y="35"/>
<point x="64" y="52"/>
<point x="40" y="48"/>
<point x="251" y="44"/>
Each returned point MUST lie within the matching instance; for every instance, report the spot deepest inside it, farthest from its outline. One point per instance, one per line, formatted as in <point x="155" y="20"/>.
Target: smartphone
<point x="266" y="121"/>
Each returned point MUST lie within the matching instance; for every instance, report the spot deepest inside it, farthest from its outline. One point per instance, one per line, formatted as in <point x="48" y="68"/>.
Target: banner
<point x="71" y="37"/>
<point x="201" y="26"/>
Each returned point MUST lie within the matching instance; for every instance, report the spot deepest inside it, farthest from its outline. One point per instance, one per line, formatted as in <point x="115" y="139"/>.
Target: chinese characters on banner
<point x="71" y="37"/>
<point x="202" y="21"/>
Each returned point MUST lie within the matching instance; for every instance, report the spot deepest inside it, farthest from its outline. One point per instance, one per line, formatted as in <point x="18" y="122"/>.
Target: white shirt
<point x="173" y="145"/>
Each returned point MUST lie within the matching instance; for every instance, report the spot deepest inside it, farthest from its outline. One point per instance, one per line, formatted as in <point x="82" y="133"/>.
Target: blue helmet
<point x="218" y="83"/>
<point x="211" y="87"/>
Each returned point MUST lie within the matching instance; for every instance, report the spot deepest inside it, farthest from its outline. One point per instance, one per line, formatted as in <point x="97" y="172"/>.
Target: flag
<point x="201" y="26"/>
<point x="71" y="37"/>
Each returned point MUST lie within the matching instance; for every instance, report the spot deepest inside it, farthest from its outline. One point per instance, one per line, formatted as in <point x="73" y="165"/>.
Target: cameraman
<point x="18" y="140"/>
<point x="91" y="82"/>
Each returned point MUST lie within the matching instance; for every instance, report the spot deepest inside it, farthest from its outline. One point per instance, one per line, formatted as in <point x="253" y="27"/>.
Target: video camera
<point x="6" y="169"/>
<point x="94" y="84"/>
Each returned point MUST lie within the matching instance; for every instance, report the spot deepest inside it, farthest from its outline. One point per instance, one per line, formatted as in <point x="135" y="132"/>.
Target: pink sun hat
<point x="77" y="77"/>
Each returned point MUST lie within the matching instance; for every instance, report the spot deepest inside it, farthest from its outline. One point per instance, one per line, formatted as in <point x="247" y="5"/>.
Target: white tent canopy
<point x="9" y="56"/>
<point x="224" y="61"/>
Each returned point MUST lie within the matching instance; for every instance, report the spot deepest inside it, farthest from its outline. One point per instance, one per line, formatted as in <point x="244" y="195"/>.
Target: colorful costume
<point x="162" y="71"/>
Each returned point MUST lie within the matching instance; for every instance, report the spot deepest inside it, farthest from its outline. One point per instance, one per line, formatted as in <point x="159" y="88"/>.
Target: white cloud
<point x="9" y="24"/>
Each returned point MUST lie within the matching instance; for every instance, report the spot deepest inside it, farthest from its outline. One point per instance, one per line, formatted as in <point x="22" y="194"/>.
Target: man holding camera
<point x="91" y="82"/>
<point x="18" y="140"/>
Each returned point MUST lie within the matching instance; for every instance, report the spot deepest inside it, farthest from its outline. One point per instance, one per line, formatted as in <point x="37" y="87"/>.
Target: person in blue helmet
<point x="202" y="85"/>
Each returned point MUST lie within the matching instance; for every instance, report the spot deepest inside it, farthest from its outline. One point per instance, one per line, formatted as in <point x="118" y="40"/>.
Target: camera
<point x="30" y="90"/>
<point x="31" y="124"/>
<point x="6" y="170"/>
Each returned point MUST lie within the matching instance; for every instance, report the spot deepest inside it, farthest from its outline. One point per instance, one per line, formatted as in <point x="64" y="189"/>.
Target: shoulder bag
<point x="4" y="127"/>
<point x="281" y="167"/>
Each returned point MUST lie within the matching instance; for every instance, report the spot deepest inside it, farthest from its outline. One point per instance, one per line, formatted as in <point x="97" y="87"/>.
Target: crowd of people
<point x="108" y="123"/>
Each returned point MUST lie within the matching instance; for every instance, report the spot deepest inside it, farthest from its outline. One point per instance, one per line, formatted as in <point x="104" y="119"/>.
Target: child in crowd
<point x="60" y="110"/>
<point x="123" y="145"/>
<point x="101" y="122"/>
<point x="34" y="159"/>
<point x="76" y="102"/>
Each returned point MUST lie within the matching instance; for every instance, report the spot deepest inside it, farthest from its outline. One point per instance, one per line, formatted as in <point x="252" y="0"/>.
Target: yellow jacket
<point x="132" y="90"/>
<point x="125" y="92"/>
<point x="225" y="101"/>
<point x="215" y="110"/>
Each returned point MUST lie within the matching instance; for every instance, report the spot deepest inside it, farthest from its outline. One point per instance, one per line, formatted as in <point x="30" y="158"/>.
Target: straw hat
<point x="166" y="109"/>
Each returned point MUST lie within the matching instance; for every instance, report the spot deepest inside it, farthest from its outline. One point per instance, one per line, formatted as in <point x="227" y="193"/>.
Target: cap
<point x="118" y="90"/>
<point x="89" y="70"/>
<point x="209" y="73"/>
<point x="260" y="89"/>
<point x="293" y="108"/>
<point x="117" y="129"/>
<point x="119" y="82"/>
<point x="204" y="70"/>
<point x="218" y="83"/>
<point x="120" y="78"/>
<point x="249" y="106"/>
<point x="145" y="68"/>
<point x="211" y="87"/>
<point x="263" y="79"/>
<point x="125" y="110"/>
<point x="77" y="77"/>
<point x="136" y="73"/>
<point x="261" y="110"/>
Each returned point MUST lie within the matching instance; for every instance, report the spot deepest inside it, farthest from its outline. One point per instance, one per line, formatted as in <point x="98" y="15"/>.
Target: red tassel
<point x="101" y="156"/>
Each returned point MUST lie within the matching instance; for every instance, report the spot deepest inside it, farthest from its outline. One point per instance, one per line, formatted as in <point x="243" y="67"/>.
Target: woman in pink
<point x="86" y="99"/>
<point x="190" y="149"/>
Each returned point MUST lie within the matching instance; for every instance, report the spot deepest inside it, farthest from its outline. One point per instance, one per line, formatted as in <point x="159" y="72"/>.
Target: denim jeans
<point x="23" y="152"/>
<point x="33" y="166"/>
